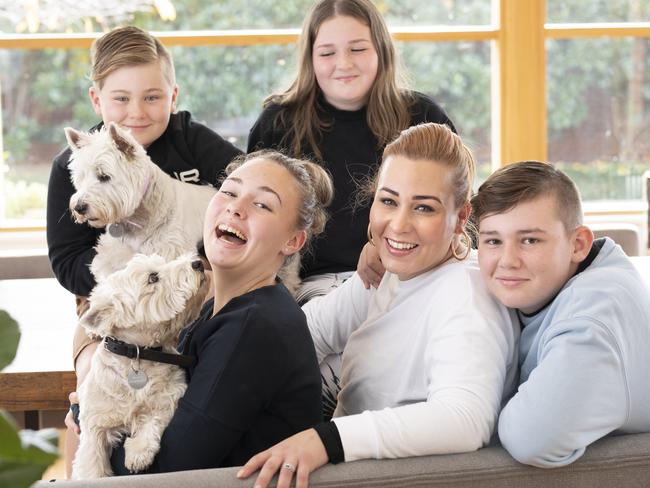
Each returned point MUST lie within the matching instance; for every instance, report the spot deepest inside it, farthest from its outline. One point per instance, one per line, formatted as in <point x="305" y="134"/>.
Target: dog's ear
<point x="94" y="317"/>
<point x="122" y="143"/>
<point x="76" y="139"/>
<point x="106" y="312"/>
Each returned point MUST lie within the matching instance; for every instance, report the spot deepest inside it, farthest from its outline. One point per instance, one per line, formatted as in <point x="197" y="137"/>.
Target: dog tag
<point x="116" y="230"/>
<point x="137" y="379"/>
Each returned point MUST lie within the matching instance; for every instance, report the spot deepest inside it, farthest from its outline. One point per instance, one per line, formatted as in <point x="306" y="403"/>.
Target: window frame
<point x="518" y="35"/>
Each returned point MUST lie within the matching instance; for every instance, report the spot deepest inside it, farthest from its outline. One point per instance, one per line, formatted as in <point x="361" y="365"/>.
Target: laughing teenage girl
<point x="256" y="377"/>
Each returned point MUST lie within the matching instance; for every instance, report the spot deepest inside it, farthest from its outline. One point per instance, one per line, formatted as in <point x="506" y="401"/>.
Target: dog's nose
<point x="197" y="265"/>
<point x="81" y="208"/>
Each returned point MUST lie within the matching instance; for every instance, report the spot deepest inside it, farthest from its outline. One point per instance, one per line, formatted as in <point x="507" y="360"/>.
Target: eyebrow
<point x="263" y="187"/>
<point x="353" y="41"/>
<point x="535" y="230"/>
<point x="415" y="197"/>
<point x="148" y="90"/>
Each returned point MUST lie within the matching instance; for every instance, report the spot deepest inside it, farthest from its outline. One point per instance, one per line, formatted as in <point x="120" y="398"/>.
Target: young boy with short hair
<point x="584" y="312"/>
<point x="134" y="85"/>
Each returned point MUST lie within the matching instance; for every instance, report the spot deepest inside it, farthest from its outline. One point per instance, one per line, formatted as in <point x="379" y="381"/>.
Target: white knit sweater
<point x="424" y="362"/>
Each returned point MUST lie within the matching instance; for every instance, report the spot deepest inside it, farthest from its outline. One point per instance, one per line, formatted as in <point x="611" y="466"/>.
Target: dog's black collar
<point x="155" y="354"/>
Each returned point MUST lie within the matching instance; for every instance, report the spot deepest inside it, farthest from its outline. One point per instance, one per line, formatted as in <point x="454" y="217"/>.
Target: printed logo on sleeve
<point x="189" y="176"/>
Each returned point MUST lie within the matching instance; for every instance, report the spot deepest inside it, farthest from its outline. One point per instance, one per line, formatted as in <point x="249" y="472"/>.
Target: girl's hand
<point x="69" y="418"/>
<point x="369" y="267"/>
<point x="301" y="453"/>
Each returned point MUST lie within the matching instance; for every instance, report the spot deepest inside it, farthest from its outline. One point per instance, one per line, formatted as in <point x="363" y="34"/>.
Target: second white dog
<point x="136" y="310"/>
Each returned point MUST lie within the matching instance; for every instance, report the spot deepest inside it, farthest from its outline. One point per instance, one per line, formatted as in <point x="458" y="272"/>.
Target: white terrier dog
<point x="145" y="210"/>
<point x="136" y="311"/>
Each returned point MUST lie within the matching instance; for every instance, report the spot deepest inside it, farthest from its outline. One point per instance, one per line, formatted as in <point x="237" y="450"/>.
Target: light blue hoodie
<point x="585" y="365"/>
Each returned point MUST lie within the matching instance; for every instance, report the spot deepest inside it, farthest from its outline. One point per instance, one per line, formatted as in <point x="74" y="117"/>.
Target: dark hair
<point x="524" y="181"/>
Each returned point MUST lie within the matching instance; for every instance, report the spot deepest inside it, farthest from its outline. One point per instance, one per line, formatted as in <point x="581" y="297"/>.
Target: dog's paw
<point x="138" y="454"/>
<point x="83" y="472"/>
<point x="91" y="461"/>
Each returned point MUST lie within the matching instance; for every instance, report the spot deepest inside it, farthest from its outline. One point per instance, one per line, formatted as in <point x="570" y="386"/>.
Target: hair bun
<point x="324" y="193"/>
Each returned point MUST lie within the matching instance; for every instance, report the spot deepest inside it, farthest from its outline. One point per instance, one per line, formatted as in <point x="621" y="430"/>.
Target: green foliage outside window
<point x="598" y="90"/>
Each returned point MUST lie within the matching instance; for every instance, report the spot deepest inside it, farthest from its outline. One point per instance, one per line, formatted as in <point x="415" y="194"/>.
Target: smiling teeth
<point x="400" y="245"/>
<point x="230" y="230"/>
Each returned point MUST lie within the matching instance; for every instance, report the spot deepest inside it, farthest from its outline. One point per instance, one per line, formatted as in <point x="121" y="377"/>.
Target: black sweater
<point x="255" y="383"/>
<point x="187" y="150"/>
<point x="351" y="154"/>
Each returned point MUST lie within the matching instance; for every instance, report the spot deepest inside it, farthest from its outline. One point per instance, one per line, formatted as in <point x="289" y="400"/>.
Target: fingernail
<point x="240" y="473"/>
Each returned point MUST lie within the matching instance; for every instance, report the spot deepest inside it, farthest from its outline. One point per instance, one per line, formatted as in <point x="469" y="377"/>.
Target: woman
<point x="256" y="379"/>
<point x="426" y="355"/>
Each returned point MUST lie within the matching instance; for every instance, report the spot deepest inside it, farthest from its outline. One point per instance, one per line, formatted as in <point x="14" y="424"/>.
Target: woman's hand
<point x="369" y="267"/>
<point x="302" y="453"/>
<point x="69" y="418"/>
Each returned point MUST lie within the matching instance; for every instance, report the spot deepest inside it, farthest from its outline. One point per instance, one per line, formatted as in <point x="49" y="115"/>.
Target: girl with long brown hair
<point x="344" y="105"/>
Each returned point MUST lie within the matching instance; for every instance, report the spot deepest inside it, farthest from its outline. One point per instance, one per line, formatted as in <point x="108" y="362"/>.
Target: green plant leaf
<point x="20" y="475"/>
<point x="27" y="445"/>
<point x="24" y="456"/>
<point x="9" y="337"/>
<point x="10" y="445"/>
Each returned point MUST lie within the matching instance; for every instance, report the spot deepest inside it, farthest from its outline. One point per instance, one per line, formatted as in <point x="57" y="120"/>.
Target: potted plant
<point x="24" y="455"/>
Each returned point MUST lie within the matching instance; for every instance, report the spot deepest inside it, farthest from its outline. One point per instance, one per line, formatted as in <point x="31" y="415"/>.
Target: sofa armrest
<point x="613" y="461"/>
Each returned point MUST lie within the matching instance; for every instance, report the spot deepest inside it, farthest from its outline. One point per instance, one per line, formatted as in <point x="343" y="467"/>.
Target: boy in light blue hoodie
<point x="584" y="311"/>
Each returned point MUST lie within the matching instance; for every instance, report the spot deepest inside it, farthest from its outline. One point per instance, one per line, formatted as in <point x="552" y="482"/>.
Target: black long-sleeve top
<point x="351" y="153"/>
<point x="186" y="150"/>
<point x="255" y="383"/>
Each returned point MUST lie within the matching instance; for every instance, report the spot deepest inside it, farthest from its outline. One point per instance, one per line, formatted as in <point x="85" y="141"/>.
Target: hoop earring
<point x="369" y="233"/>
<point x="467" y="243"/>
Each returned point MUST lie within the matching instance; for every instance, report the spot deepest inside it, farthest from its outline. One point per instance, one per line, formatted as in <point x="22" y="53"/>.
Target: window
<point x="540" y="79"/>
<point x="599" y="114"/>
<point x="593" y="11"/>
<point x="457" y="75"/>
<point x="45" y="89"/>
<point x="599" y="95"/>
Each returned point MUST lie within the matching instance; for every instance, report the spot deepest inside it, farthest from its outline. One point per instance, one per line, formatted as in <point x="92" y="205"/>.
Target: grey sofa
<point x="618" y="461"/>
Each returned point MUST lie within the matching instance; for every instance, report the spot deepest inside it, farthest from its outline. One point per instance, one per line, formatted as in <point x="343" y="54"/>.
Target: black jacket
<point x="185" y="147"/>
<point x="255" y="383"/>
